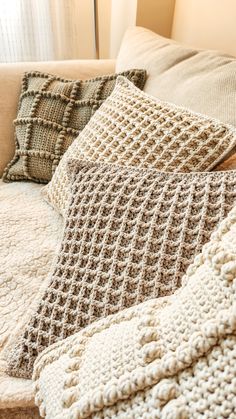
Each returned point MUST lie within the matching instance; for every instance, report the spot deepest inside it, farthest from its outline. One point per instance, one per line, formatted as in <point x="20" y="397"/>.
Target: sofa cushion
<point x="167" y="358"/>
<point x="52" y="111"/>
<point x="201" y="80"/>
<point x="130" y="235"/>
<point x="132" y="128"/>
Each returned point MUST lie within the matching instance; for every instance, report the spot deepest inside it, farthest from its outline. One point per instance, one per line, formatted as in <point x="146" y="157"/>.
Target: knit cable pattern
<point x="173" y="357"/>
<point x="130" y="235"/>
<point x="52" y="112"/>
<point x="132" y="128"/>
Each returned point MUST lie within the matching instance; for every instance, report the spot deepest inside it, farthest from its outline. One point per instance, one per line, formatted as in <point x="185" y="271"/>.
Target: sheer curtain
<point x="37" y="30"/>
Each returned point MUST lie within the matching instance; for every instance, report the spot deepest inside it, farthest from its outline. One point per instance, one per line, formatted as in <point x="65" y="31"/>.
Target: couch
<point x="30" y="230"/>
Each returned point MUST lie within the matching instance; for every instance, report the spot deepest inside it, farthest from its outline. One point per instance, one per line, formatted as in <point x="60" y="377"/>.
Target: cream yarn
<point x="167" y="358"/>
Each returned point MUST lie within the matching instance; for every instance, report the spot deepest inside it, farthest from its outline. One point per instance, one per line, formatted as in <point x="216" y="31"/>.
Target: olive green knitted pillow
<point x="52" y="112"/>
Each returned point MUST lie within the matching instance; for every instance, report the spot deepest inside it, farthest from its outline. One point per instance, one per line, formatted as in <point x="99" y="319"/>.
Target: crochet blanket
<point x="173" y="357"/>
<point x="29" y="231"/>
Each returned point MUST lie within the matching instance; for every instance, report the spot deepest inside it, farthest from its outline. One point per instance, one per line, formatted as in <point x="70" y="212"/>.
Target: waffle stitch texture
<point x="173" y="357"/>
<point x="134" y="129"/>
<point x="52" y="111"/>
<point x="130" y="235"/>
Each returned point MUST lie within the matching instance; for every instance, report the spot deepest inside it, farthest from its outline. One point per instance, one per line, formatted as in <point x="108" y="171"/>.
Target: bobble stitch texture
<point x="51" y="113"/>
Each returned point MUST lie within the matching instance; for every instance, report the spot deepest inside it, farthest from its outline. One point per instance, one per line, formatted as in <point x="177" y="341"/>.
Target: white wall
<point x="207" y="24"/>
<point x="123" y="15"/>
<point x="156" y="15"/>
<point x="115" y="16"/>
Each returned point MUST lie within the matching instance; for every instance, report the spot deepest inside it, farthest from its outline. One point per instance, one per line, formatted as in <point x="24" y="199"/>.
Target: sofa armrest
<point x="10" y="86"/>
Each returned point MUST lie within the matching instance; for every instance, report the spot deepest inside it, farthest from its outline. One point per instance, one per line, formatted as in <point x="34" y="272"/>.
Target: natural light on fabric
<point x="46" y="30"/>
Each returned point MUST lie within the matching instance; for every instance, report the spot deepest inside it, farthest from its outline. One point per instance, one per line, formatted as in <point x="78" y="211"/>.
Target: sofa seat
<point x="30" y="231"/>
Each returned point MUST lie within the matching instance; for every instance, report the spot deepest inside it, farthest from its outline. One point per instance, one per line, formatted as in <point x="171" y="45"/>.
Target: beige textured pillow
<point x="134" y="129"/>
<point x="52" y="111"/>
<point x="130" y="235"/>
<point x="167" y="358"/>
<point x="201" y="80"/>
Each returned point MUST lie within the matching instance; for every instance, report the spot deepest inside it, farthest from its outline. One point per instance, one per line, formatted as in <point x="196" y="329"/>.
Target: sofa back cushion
<point x="201" y="80"/>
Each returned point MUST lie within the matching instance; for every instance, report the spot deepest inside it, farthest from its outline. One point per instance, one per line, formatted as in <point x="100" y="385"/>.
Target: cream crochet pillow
<point x="130" y="235"/>
<point x="134" y="129"/>
<point x="168" y="358"/>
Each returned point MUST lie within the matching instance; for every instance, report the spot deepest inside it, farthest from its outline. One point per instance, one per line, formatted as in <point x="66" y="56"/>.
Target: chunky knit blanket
<point x="130" y="235"/>
<point x="173" y="357"/>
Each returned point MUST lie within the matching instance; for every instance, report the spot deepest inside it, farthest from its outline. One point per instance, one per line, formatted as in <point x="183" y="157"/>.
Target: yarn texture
<point x="132" y="128"/>
<point x="173" y="357"/>
<point x="52" y="111"/>
<point x="130" y="235"/>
